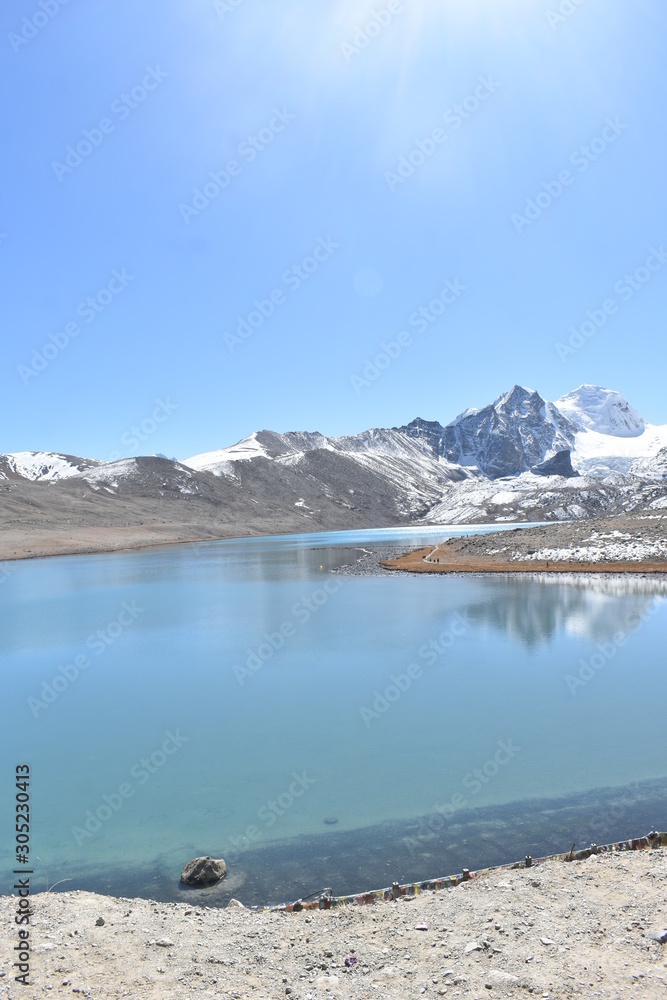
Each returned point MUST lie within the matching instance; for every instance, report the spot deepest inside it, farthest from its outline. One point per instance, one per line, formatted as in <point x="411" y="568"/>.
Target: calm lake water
<point x="239" y="699"/>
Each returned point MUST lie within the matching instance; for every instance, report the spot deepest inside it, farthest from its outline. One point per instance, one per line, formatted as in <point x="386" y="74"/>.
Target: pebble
<point x="164" y="943"/>
<point x="499" y="978"/>
<point x="473" y="946"/>
<point x="99" y="922"/>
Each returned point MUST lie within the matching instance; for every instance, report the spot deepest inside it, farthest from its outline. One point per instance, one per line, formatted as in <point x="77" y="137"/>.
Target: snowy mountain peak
<point x="514" y="399"/>
<point x="593" y="408"/>
<point x="516" y="432"/>
<point x="518" y="395"/>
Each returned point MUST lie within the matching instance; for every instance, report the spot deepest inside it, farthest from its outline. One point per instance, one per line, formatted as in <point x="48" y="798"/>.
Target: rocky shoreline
<point x="589" y="928"/>
<point x="618" y="545"/>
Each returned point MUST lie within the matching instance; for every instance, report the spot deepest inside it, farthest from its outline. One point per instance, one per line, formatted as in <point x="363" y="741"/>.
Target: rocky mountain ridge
<point x="521" y="458"/>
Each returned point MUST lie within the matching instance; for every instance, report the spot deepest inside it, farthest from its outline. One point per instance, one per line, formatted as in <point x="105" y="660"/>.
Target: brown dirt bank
<point x="453" y="562"/>
<point x="588" y="928"/>
<point x="19" y="544"/>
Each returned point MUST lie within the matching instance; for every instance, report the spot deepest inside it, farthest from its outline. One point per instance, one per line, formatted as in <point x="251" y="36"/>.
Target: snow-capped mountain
<point x="591" y="442"/>
<point x="510" y="436"/>
<point x="516" y="432"/>
<point x="610" y="436"/>
<point x="519" y="458"/>
<point x="603" y="410"/>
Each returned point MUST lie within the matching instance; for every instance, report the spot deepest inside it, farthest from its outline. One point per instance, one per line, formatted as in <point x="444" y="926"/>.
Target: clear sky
<point x="374" y="163"/>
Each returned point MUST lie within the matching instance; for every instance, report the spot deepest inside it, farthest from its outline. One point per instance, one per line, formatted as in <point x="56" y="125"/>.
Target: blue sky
<point x="305" y="112"/>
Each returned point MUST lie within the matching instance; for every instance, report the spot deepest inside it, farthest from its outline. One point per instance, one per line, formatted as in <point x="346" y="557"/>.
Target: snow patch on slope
<point x="597" y="454"/>
<point x="606" y="550"/>
<point x="41" y="466"/>
<point x="110" y="472"/>
<point x="217" y="462"/>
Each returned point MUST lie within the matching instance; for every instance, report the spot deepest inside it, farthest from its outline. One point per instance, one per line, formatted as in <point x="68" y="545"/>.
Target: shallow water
<point x="425" y="715"/>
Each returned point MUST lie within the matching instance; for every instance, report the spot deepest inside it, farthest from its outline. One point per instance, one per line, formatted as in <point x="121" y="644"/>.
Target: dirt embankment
<point x="593" y="929"/>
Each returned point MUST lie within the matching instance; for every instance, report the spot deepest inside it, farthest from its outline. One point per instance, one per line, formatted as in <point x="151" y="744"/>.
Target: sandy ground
<point x="621" y="544"/>
<point x="588" y="928"/>
<point x="36" y="544"/>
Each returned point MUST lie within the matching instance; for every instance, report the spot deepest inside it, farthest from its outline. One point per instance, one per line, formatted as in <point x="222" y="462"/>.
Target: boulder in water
<point x="203" y="871"/>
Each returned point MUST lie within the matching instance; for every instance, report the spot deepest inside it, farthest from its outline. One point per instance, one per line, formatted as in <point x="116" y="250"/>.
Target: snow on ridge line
<point x="244" y="450"/>
<point x="609" y="436"/>
<point x="41" y="465"/>
<point x="601" y="421"/>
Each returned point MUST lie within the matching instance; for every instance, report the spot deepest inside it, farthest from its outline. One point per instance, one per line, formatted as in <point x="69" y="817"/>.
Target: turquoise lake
<point x="241" y="699"/>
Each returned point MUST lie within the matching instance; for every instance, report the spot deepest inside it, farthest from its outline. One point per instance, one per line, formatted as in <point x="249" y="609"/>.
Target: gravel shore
<point x="617" y="545"/>
<point x="593" y="928"/>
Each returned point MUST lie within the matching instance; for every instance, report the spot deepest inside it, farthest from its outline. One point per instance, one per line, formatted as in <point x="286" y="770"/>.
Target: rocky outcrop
<point x="559" y="465"/>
